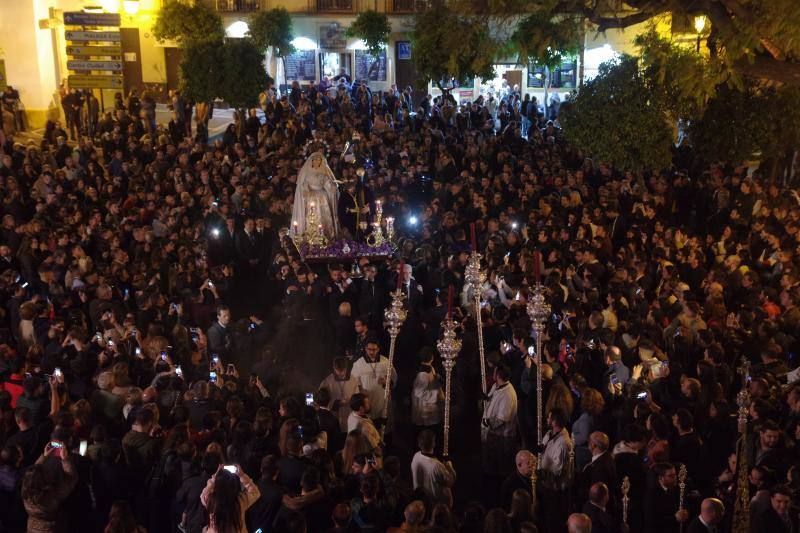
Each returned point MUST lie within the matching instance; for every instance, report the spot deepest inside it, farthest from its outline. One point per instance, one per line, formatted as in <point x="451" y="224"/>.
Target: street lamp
<point x="699" y="26"/>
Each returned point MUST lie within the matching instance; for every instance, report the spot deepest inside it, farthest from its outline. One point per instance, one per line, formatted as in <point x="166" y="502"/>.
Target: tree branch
<point x="769" y="68"/>
<point x="607" y="23"/>
<point x="745" y="17"/>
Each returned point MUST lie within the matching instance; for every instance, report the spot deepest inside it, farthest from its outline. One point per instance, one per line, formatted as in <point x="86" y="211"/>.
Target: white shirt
<point x="368" y="375"/>
<point x="341" y="390"/>
<point x="433" y="477"/>
<point x="364" y="426"/>
<point x="501" y="410"/>
<point x="425" y="405"/>
<point x="556" y="457"/>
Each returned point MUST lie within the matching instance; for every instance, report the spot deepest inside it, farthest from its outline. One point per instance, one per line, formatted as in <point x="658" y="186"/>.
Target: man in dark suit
<point x="219" y="337"/>
<point x="712" y="511"/>
<point x="777" y="518"/>
<point x="371" y="297"/>
<point x="520" y="478"/>
<point x="265" y="238"/>
<point x="662" y="501"/>
<point x="327" y="421"/>
<point x="602" y="468"/>
<point x="412" y="291"/>
<point x="247" y="253"/>
<point x="597" y="509"/>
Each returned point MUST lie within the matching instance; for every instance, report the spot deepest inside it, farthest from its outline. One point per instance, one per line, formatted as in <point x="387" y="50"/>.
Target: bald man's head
<point x="524" y="460"/>
<point x="712" y="510"/>
<point x="579" y="523"/>
<point x="599" y="441"/>
<point x="598" y="494"/>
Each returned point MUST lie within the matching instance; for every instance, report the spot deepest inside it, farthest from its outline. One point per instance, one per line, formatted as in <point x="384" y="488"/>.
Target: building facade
<point x="34" y="48"/>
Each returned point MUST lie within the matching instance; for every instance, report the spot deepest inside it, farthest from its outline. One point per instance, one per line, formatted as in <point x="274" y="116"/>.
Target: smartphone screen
<point x="309" y="399"/>
<point x="83" y="447"/>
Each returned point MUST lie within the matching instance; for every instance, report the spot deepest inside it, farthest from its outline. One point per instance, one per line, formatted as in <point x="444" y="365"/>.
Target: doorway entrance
<point x="331" y="62"/>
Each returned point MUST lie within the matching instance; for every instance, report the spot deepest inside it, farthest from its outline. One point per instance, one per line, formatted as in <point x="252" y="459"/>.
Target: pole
<point x="481" y="349"/>
<point x="395" y="316"/>
<point x="449" y="346"/>
<point x="538" y="311"/>
<point x="475" y="278"/>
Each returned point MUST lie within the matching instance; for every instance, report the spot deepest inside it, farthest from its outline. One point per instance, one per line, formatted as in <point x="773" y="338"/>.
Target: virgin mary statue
<point x="316" y="197"/>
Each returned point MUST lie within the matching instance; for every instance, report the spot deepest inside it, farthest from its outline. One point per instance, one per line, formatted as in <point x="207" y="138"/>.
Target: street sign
<point x="80" y="18"/>
<point x="94" y="82"/>
<point x="94" y="51"/>
<point x="92" y="35"/>
<point x="74" y="64"/>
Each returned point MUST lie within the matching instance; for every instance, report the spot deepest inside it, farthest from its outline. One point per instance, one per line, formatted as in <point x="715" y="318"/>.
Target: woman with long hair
<point x="590" y="420"/>
<point x="44" y="489"/>
<point x="121" y="520"/>
<point x="226" y="498"/>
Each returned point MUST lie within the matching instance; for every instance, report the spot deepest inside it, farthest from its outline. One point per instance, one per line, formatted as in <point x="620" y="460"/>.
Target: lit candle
<point x="537" y="258"/>
<point x="472" y="237"/>
<point x="378" y="207"/>
<point x="295" y="228"/>
<point x="449" y="300"/>
<point x="400" y="269"/>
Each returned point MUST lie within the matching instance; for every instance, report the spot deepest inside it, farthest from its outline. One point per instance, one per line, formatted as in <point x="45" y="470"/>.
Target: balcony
<point x="406" y="6"/>
<point x="334" y="6"/>
<point x="237" y="6"/>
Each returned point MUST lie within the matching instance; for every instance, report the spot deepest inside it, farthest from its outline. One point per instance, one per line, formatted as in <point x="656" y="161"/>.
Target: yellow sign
<point x="95" y="82"/>
<point x="94" y="50"/>
<point x="91" y="35"/>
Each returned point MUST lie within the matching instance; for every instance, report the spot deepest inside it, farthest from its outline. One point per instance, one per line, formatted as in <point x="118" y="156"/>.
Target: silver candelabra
<point x="449" y="346"/>
<point x="538" y="311"/>
<point x="475" y="278"/>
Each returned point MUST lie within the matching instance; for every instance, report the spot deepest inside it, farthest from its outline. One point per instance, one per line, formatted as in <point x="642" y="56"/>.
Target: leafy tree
<point x="618" y="118"/>
<point x="373" y="28"/>
<point x="739" y="125"/>
<point x="231" y="70"/>
<point x="201" y="71"/>
<point x="745" y="38"/>
<point x="177" y="21"/>
<point x="243" y="74"/>
<point x="449" y="46"/>
<point x="273" y="29"/>
<point x="547" y="42"/>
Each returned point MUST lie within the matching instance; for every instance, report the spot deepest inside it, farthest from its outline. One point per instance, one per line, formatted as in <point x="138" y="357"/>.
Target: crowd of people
<point x="169" y="361"/>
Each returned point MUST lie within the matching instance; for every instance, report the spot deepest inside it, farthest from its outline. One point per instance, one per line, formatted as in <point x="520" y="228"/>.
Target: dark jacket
<point x="188" y="500"/>
<point x="771" y="522"/>
<point x="141" y="453"/>
<point x="602" y="521"/>
<point x="220" y="341"/>
<point x="660" y="507"/>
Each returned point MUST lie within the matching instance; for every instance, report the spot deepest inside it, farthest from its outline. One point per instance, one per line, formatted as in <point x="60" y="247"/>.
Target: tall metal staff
<point x="626" y="487"/>
<point x="741" y="508"/>
<point x="475" y="278"/>
<point x="395" y="316"/>
<point x="538" y="311"/>
<point x="534" y="464"/>
<point x="449" y="346"/>
<point x="682" y="488"/>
